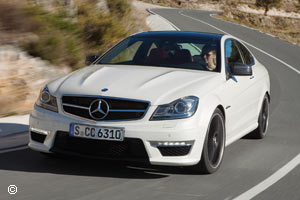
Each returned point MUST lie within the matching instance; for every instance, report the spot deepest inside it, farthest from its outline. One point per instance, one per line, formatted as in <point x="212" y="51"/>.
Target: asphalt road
<point x="246" y="163"/>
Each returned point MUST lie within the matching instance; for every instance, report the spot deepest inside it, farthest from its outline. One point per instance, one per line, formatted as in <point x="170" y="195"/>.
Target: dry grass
<point x="14" y="19"/>
<point x="282" y="27"/>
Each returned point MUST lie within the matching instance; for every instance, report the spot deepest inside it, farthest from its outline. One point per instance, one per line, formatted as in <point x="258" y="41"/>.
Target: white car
<point x="168" y="98"/>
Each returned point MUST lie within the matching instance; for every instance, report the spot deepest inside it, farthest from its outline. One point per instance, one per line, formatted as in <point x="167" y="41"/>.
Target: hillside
<point x="41" y="40"/>
<point x="282" y="22"/>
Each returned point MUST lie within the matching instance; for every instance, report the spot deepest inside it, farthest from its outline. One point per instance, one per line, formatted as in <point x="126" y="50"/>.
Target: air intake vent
<point x="37" y="137"/>
<point x="129" y="149"/>
<point x="174" y="151"/>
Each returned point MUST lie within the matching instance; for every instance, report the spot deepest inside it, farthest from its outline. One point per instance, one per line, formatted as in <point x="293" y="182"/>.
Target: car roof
<point x="180" y="34"/>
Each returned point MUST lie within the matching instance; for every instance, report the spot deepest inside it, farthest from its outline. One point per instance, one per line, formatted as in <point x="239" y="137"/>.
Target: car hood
<point x="155" y="84"/>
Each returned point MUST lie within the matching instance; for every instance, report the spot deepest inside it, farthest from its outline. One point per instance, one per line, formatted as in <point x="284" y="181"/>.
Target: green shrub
<point x="119" y="8"/>
<point x="65" y="38"/>
<point x="98" y="35"/>
<point x="59" y="39"/>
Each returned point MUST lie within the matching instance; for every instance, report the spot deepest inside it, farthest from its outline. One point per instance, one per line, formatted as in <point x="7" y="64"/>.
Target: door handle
<point x="251" y="77"/>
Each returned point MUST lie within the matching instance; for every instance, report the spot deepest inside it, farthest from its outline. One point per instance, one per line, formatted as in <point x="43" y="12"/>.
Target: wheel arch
<point x="263" y="94"/>
<point x="265" y="90"/>
<point x="221" y="108"/>
<point x="268" y="95"/>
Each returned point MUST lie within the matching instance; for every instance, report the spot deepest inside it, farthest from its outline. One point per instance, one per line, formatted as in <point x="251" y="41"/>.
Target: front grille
<point x="119" y="109"/>
<point x="174" y="151"/>
<point x="129" y="149"/>
<point x="37" y="137"/>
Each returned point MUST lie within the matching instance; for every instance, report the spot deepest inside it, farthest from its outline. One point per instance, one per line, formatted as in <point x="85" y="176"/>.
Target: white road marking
<point x="13" y="149"/>
<point x="262" y="51"/>
<point x="270" y="180"/>
<point x="270" y="35"/>
<point x="287" y="167"/>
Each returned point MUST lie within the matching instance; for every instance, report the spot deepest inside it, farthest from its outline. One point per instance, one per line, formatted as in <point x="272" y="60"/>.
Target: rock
<point x="155" y="1"/>
<point x="102" y="5"/>
<point x="21" y="79"/>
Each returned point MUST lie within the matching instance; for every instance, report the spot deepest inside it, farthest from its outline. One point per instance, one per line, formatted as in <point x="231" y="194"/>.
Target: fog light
<point x="172" y="143"/>
<point x="40" y="131"/>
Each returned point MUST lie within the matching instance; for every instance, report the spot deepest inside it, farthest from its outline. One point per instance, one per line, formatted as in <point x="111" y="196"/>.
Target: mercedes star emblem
<point x="98" y="109"/>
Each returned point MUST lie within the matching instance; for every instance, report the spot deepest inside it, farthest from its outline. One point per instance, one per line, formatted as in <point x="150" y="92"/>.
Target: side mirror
<point x="91" y="58"/>
<point x="240" y="69"/>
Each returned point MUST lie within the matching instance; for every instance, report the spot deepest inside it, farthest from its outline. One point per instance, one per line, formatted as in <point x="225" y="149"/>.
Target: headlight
<point x="47" y="101"/>
<point x="181" y="108"/>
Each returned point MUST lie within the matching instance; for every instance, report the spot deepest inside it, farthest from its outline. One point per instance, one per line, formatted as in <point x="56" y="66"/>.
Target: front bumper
<point x="47" y="125"/>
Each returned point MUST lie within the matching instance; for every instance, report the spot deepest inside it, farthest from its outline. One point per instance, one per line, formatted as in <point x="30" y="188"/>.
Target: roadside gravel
<point x="154" y="22"/>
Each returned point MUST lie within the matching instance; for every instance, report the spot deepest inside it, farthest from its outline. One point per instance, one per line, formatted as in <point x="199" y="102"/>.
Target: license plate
<point x="97" y="132"/>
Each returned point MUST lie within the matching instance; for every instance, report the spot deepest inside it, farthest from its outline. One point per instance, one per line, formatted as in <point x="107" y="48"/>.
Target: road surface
<point x="251" y="168"/>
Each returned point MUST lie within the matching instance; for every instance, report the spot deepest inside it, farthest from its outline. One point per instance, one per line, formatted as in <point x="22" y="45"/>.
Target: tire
<point x="263" y="121"/>
<point x="214" y="144"/>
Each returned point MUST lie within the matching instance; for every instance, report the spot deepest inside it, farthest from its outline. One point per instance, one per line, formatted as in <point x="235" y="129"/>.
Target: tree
<point x="267" y="4"/>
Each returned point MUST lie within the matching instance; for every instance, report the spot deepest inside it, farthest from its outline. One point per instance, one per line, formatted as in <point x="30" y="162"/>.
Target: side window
<point x="194" y="50"/>
<point x="153" y="46"/>
<point x="248" y="58"/>
<point x="232" y="54"/>
<point x="127" y="54"/>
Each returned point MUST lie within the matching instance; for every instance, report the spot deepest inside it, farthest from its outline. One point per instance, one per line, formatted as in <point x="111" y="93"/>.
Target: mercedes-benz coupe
<point x="169" y="98"/>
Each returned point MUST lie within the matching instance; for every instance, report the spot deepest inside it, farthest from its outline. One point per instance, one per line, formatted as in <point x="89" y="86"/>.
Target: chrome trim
<point x="75" y="106"/>
<point x="98" y="109"/>
<point x="40" y="131"/>
<point x="95" y="96"/>
<point x="111" y="110"/>
<point x="115" y="110"/>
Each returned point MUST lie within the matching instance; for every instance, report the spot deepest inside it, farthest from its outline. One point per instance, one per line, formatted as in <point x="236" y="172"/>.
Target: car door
<point x="237" y="96"/>
<point x="255" y="88"/>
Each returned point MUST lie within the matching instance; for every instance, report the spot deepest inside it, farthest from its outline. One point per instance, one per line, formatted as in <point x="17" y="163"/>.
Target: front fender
<point x="206" y="108"/>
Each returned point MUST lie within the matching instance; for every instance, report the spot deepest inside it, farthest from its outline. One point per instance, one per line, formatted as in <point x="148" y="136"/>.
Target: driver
<point x="209" y="56"/>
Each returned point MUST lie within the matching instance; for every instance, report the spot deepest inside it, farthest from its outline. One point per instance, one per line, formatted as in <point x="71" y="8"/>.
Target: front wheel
<point x="214" y="145"/>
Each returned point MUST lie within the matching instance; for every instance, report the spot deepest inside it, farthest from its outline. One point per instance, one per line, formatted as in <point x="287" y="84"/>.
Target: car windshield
<point x="184" y="53"/>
